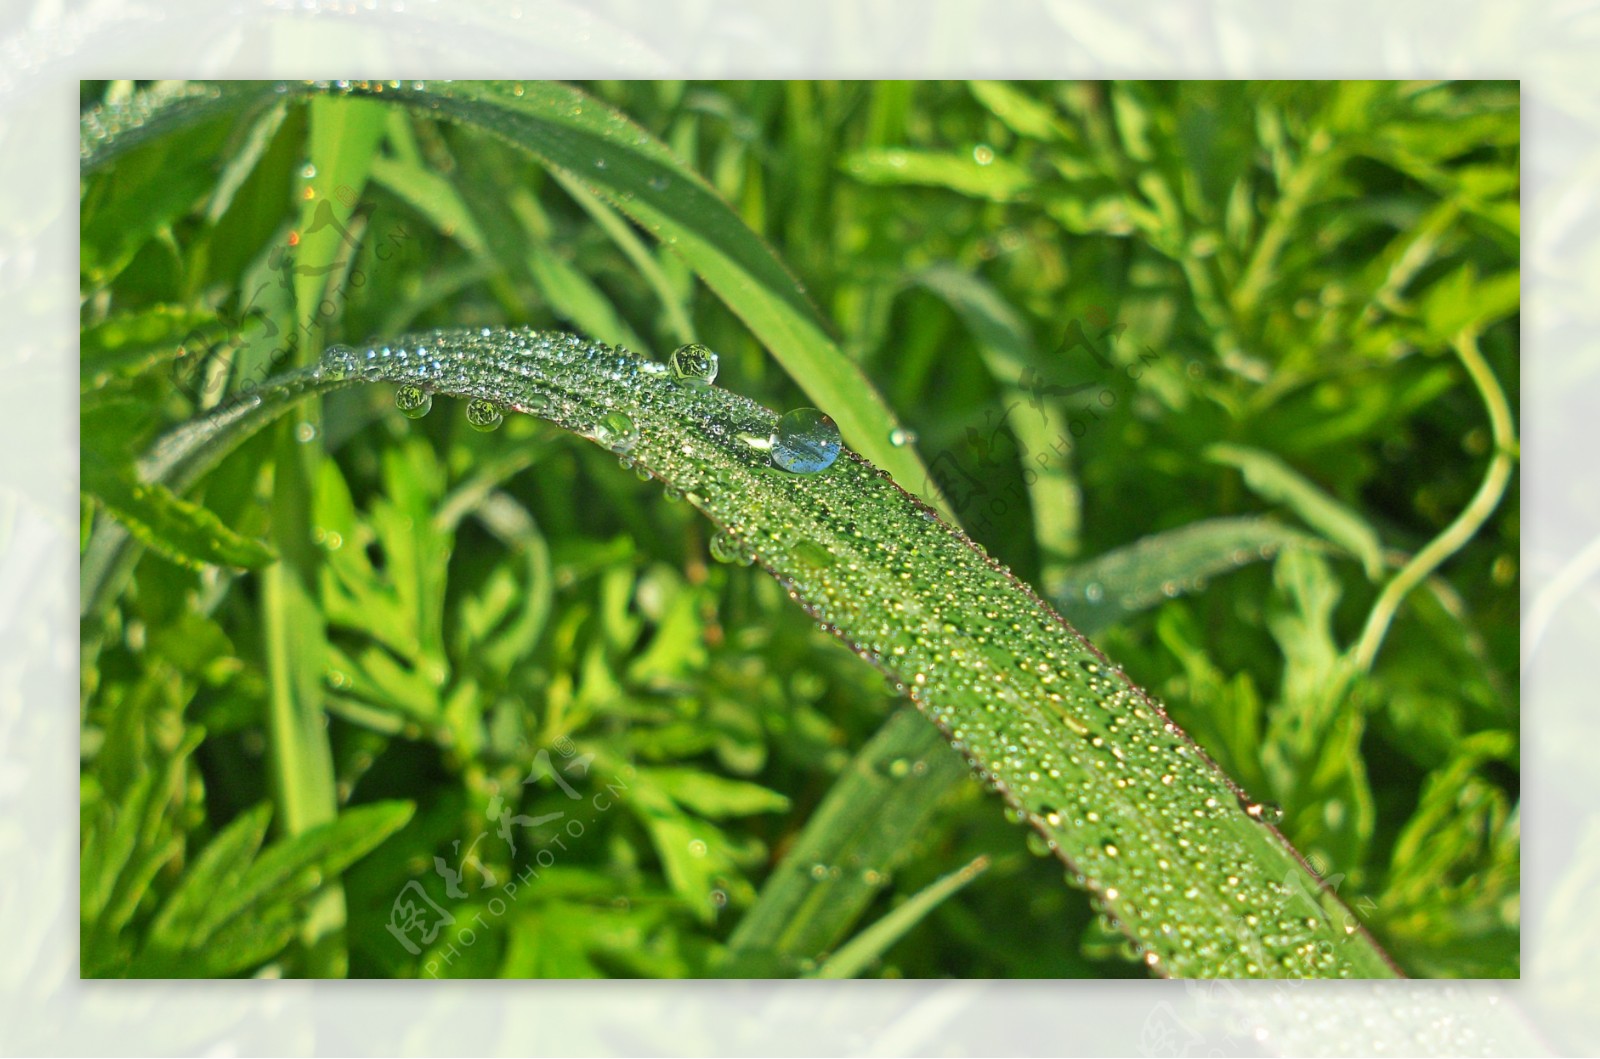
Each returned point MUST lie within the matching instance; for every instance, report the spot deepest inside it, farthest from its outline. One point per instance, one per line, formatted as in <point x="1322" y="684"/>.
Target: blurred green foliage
<point x="1221" y="311"/>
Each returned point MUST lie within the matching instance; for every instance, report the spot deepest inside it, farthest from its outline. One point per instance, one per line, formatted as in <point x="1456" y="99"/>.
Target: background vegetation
<point x="1107" y="312"/>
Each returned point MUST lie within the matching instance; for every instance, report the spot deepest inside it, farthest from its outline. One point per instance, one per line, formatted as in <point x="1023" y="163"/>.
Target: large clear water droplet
<point x="805" y="442"/>
<point x="694" y="365"/>
<point x="483" y="415"/>
<point x="413" y="401"/>
<point x="616" y="431"/>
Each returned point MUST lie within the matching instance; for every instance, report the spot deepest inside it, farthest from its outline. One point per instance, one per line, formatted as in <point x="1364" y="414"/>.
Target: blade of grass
<point x="848" y="849"/>
<point x="873" y="942"/>
<point x="1139" y="814"/>
<point x="1102" y="592"/>
<point x="342" y="142"/>
<point x="1272" y="479"/>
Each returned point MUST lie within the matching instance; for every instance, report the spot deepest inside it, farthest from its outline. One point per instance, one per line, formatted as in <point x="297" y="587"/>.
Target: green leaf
<point x="853" y="957"/>
<point x="715" y="796"/>
<point x="600" y="147"/>
<point x="1311" y="750"/>
<point x="182" y="530"/>
<point x="1022" y="113"/>
<point x="1007" y="347"/>
<point x="1113" y="587"/>
<point x="1461" y="301"/>
<point x="237" y="909"/>
<point x="870" y="821"/>
<point x="1272" y="479"/>
<point x="1030" y="702"/>
<point x="137" y="340"/>
<point x="980" y="175"/>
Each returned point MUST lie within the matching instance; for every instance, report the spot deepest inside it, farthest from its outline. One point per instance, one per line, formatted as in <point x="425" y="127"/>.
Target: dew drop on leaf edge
<point x="413" y="401"/>
<point x="483" y="415"/>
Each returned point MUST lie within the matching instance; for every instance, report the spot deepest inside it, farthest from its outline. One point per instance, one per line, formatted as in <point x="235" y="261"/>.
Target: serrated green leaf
<point x="716" y="796"/>
<point x="182" y="530"/>
<point x="138" y="339"/>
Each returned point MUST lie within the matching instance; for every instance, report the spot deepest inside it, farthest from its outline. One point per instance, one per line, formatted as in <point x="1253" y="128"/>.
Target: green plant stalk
<point x="1466" y="524"/>
<point x="1139" y="815"/>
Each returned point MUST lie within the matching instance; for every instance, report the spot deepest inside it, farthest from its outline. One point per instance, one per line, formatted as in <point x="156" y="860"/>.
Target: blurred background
<point x="1110" y="316"/>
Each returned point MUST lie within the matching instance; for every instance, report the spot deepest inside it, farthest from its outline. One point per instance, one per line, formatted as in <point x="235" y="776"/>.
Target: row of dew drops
<point x="806" y="440"/>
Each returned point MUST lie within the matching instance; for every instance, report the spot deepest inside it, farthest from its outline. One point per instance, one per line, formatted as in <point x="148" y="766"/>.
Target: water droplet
<point x="983" y="154"/>
<point x="725" y="548"/>
<point x="339" y="362"/>
<point x="805" y="442"/>
<point x="413" y="401"/>
<point x="483" y="415"/>
<point x="305" y="433"/>
<point x="615" y="430"/>
<point x="697" y="847"/>
<point x="900" y="437"/>
<point x="1266" y="812"/>
<point x="694" y="365"/>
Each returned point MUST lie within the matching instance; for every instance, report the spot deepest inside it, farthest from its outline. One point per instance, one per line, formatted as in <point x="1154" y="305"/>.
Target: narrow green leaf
<point x="1272" y="479"/>
<point x="218" y="869"/>
<point x="981" y="174"/>
<point x="135" y="341"/>
<point x="1040" y="426"/>
<point x="600" y="147"/>
<point x="716" y="796"/>
<point x="861" y="950"/>
<point x="1022" y="113"/>
<point x="1022" y="695"/>
<point x="1112" y="587"/>
<point x="870" y="820"/>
